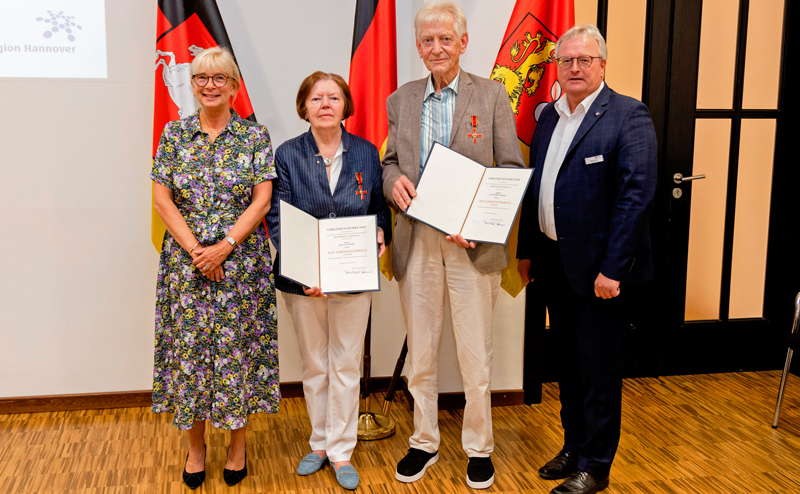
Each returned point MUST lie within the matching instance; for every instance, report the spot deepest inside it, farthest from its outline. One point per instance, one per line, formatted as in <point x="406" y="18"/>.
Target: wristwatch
<point x="231" y="241"/>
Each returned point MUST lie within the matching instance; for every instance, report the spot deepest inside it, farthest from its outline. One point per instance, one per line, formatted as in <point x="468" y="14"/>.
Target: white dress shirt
<point x="566" y="128"/>
<point x="336" y="168"/>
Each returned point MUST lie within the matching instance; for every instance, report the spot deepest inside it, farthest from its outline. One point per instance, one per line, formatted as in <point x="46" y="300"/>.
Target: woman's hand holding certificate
<point x="332" y="255"/>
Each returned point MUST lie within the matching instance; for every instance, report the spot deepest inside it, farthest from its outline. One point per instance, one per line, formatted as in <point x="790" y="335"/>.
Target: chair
<point x="794" y="342"/>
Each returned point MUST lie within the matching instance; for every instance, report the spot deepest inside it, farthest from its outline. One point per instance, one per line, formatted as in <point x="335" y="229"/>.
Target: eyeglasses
<point x="219" y="80"/>
<point x="584" y="61"/>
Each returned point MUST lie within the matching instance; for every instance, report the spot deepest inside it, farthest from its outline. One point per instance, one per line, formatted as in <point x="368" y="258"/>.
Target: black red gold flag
<point x="184" y="29"/>
<point x="373" y="77"/>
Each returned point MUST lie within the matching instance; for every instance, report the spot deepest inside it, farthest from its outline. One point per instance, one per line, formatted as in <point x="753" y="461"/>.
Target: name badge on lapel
<point x="593" y="159"/>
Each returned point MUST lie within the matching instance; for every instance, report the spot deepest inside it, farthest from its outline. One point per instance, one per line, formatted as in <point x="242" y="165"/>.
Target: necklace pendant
<point x="327" y="162"/>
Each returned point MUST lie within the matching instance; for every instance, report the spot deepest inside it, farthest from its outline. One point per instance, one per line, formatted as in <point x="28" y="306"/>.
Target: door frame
<point x="721" y="345"/>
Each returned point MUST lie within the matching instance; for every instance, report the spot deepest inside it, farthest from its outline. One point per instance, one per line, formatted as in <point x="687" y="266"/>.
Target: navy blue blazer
<point x="303" y="183"/>
<point x="601" y="209"/>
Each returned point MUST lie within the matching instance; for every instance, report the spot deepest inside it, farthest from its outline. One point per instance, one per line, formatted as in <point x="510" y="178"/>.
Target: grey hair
<point x="441" y="11"/>
<point x="586" y="32"/>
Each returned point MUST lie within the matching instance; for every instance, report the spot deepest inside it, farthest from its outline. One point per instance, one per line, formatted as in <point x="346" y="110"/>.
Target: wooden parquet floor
<point x="680" y="434"/>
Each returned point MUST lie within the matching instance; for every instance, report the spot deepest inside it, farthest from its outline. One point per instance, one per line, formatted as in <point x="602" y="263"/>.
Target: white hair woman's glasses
<point x="219" y="80"/>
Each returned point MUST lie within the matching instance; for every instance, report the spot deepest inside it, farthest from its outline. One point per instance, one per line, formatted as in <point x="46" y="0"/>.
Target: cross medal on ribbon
<point x="474" y="121"/>
<point x="360" y="191"/>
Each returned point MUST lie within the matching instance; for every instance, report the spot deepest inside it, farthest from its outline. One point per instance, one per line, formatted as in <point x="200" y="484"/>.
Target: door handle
<point x="678" y="178"/>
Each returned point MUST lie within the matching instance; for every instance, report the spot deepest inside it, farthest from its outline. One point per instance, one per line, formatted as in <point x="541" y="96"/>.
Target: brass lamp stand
<point x="373" y="425"/>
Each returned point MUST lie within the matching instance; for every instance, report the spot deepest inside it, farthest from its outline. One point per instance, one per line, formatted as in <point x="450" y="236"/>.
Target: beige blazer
<point x="498" y="145"/>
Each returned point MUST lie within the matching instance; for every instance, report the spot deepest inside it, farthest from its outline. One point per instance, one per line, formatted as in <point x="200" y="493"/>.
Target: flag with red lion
<point x="526" y="66"/>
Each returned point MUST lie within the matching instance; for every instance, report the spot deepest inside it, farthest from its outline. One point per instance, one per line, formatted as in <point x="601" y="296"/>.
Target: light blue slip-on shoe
<point x="347" y="476"/>
<point x="310" y="464"/>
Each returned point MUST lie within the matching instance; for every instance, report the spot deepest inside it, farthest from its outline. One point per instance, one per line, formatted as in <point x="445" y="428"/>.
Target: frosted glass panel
<point x="707" y="223"/>
<point x="762" y="65"/>
<point x="751" y="227"/>
<point x="717" y="53"/>
<point x="586" y="12"/>
<point x="625" y="39"/>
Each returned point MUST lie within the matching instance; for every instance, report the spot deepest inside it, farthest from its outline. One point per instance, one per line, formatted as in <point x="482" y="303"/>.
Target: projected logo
<point x="59" y="23"/>
<point x="53" y="38"/>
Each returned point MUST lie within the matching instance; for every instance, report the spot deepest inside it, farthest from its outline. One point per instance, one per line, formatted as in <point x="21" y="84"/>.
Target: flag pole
<point x="373" y="77"/>
<point x="372" y="425"/>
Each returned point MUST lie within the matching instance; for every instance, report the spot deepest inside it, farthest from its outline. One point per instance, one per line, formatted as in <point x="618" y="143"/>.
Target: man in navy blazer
<point x="584" y="235"/>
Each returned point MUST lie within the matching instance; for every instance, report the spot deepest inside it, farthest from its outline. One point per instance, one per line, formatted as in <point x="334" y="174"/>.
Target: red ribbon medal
<point x="360" y="191"/>
<point x="474" y="136"/>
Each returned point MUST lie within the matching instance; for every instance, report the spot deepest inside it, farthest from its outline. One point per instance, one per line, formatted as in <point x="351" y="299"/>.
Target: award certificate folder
<point x="457" y="195"/>
<point x="337" y="255"/>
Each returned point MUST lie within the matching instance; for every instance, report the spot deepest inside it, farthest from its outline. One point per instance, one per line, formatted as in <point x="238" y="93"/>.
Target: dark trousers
<point x="587" y="332"/>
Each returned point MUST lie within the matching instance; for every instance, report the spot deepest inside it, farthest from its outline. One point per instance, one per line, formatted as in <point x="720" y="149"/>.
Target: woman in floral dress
<point x="216" y="348"/>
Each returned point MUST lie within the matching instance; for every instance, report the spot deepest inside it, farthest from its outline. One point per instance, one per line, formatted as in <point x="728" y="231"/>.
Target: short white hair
<point x="586" y="32"/>
<point x="441" y="11"/>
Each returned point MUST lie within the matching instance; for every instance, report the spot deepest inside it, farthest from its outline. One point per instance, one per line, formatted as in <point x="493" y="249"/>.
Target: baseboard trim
<point x="129" y="399"/>
<point x="86" y="401"/>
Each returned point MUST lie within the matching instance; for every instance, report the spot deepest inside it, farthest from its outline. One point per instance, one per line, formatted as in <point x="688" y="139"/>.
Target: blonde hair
<point x="586" y="32"/>
<point x="441" y="11"/>
<point x="216" y="58"/>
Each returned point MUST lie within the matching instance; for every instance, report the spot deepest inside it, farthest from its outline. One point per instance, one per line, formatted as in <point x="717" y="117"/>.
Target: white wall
<point x="77" y="296"/>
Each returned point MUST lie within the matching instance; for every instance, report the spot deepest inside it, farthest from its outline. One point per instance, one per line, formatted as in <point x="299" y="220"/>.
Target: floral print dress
<point x="216" y="343"/>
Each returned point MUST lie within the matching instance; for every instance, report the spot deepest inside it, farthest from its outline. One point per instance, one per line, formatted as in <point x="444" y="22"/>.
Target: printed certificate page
<point x="445" y="190"/>
<point x="348" y="250"/>
<point x="496" y="204"/>
<point x="299" y="246"/>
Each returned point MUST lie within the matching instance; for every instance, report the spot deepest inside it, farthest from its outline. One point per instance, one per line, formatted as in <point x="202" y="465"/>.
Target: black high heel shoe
<point x="196" y="479"/>
<point x="233" y="477"/>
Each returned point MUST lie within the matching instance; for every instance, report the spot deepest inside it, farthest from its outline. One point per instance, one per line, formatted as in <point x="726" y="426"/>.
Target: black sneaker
<point x="413" y="466"/>
<point x="480" y="473"/>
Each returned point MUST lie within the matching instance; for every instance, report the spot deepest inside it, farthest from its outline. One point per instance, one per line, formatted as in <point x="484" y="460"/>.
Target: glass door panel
<point x="717" y="63"/>
<point x="707" y="219"/>
<point x="751" y="226"/>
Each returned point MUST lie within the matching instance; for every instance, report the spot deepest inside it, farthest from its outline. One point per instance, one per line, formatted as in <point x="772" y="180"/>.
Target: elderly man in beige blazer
<point x="473" y="116"/>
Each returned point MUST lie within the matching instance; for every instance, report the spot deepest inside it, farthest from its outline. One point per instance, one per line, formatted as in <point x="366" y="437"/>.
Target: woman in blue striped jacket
<point x="328" y="173"/>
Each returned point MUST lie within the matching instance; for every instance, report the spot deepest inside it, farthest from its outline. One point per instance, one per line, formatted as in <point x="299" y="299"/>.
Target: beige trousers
<point x="433" y="265"/>
<point x="330" y="337"/>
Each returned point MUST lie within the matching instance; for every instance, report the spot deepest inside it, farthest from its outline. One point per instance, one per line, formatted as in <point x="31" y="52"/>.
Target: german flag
<point x="184" y="29"/>
<point x="526" y="66"/>
<point x="373" y="77"/>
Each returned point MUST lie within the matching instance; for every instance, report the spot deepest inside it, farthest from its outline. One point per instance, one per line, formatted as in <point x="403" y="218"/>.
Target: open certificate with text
<point x="337" y="255"/>
<point x="459" y="196"/>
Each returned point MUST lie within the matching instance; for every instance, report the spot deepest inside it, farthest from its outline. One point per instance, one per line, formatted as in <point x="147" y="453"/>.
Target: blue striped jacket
<point x="303" y="183"/>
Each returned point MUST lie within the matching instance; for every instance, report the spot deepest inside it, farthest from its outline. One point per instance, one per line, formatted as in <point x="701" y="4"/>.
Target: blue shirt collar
<point x="453" y="86"/>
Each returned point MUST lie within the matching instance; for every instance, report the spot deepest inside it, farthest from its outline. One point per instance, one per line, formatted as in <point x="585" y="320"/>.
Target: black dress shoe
<point x="560" y="467"/>
<point x="196" y="479"/>
<point x="233" y="477"/>
<point x="582" y="483"/>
